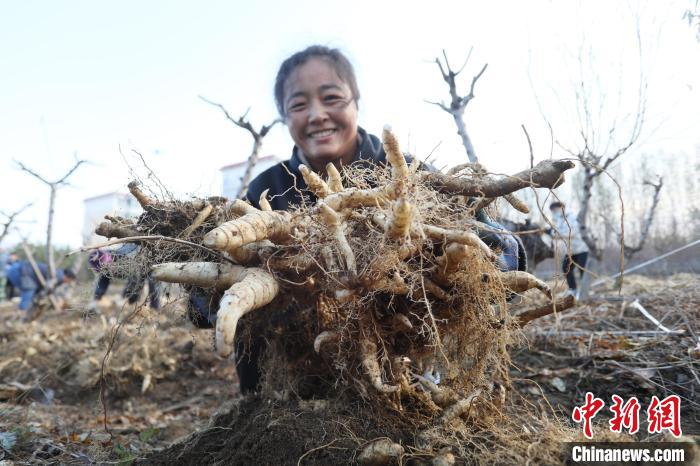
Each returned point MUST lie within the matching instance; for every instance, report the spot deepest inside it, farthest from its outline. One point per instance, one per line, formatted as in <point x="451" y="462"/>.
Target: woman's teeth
<point x="322" y="134"/>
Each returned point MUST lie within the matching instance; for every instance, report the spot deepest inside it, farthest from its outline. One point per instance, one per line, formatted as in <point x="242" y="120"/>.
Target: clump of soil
<point x="257" y="430"/>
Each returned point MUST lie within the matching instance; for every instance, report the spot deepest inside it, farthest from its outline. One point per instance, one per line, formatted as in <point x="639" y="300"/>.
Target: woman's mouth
<point x="322" y="134"/>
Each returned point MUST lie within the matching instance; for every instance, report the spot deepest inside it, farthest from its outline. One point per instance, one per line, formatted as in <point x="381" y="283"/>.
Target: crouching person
<point x="28" y="285"/>
<point x="111" y="263"/>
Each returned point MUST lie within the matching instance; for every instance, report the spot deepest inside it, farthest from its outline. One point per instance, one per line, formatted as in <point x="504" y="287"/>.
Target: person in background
<point x="317" y="96"/>
<point x="100" y="261"/>
<point x="23" y="278"/>
<point x="9" y="290"/>
<point x="4" y="259"/>
<point x="568" y="244"/>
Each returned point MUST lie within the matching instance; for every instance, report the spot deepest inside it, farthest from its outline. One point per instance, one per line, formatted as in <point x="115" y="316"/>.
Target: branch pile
<point x="393" y="293"/>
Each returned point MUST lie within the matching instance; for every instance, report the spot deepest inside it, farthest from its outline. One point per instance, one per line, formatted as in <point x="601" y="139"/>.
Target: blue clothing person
<point x="23" y="279"/>
<point x="4" y="262"/>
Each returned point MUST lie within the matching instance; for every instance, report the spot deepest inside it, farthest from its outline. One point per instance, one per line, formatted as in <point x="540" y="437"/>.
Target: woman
<point x="568" y="244"/>
<point x="317" y="96"/>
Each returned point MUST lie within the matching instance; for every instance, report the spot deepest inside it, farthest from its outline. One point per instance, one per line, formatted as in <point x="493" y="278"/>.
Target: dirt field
<point x="162" y="382"/>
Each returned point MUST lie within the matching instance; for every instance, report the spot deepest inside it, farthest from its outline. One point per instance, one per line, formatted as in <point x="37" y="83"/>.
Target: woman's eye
<point x="296" y="106"/>
<point x="334" y="99"/>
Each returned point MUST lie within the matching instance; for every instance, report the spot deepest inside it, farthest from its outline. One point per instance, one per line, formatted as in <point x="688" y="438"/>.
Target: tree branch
<point x="53" y="187"/>
<point x="70" y="172"/>
<point x="632" y="250"/>
<point x="241" y="122"/>
<point x="10" y="219"/>
<point x="439" y="104"/>
<point x="470" y="96"/>
<point x="458" y="103"/>
<point x="23" y="167"/>
<point x="529" y="145"/>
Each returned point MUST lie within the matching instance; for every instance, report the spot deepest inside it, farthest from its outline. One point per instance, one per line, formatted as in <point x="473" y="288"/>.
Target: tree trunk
<point x="589" y="176"/>
<point x="252" y="161"/>
<point x="462" y="131"/>
<point x="49" y="247"/>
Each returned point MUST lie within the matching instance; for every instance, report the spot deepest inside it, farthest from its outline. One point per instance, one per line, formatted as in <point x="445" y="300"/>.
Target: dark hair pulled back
<point x="334" y="57"/>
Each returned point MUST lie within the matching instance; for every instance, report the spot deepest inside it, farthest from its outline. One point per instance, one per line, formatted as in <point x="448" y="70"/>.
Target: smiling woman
<point x="316" y="94"/>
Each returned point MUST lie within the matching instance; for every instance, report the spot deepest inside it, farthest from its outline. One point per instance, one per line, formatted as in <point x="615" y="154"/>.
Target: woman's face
<point x="321" y="113"/>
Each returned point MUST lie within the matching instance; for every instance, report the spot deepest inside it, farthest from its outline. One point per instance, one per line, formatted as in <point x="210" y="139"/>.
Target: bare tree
<point x="53" y="187"/>
<point x="10" y="219"/>
<point x="648" y="219"/>
<point x="601" y="134"/>
<point x="258" y="136"/>
<point x="692" y="15"/>
<point x="458" y="103"/>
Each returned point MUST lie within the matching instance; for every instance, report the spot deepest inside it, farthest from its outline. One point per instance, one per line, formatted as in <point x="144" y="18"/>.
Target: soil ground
<point x="162" y="385"/>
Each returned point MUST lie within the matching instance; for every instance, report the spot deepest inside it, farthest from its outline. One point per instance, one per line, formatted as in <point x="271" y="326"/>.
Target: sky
<point x="101" y="81"/>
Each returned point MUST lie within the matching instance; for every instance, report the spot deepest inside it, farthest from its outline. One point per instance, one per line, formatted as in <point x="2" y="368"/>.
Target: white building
<point x="121" y="204"/>
<point x="233" y="174"/>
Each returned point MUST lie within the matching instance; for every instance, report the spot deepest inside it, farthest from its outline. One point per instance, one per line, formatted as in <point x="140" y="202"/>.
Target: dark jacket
<point x="282" y="179"/>
<point x="22" y="276"/>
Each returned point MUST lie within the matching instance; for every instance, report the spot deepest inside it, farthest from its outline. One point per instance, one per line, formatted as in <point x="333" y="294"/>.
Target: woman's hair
<point x="555" y="204"/>
<point x="334" y="57"/>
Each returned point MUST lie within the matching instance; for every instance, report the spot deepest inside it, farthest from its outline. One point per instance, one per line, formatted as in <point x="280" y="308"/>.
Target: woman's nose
<point x="317" y="112"/>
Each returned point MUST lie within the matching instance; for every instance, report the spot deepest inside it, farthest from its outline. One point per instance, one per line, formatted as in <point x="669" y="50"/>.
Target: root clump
<point x="377" y="288"/>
